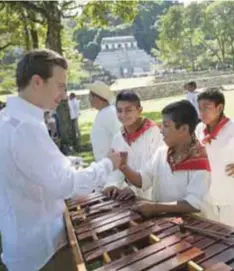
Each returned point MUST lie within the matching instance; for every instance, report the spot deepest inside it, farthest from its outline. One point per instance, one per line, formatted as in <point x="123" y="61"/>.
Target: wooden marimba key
<point x="107" y="235"/>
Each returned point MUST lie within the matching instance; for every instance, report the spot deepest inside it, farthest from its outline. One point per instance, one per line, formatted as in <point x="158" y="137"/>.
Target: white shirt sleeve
<point x="198" y="186"/>
<point x="39" y="159"/>
<point x="114" y="125"/>
<point x="154" y="141"/>
<point x="117" y="178"/>
<point x="107" y="127"/>
<point x="149" y="172"/>
<point x="100" y="144"/>
<point x="187" y="97"/>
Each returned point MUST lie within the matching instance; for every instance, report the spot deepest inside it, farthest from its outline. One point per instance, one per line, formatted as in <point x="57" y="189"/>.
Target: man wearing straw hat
<point x="106" y="123"/>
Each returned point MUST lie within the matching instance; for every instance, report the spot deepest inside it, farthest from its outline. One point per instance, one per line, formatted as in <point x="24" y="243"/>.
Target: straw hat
<point x="101" y="89"/>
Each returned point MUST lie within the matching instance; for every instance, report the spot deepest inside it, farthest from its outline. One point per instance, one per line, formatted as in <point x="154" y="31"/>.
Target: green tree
<point x="219" y="30"/>
<point x="51" y="14"/>
<point x="144" y="26"/>
<point x="180" y="38"/>
<point x="197" y="36"/>
<point x="170" y="41"/>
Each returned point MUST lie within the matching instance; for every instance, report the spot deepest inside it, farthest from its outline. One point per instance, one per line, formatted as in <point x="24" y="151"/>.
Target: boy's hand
<point x="111" y="192"/>
<point x="124" y="157"/>
<point x="126" y="194"/>
<point x="146" y="209"/>
<point x="115" y="159"/>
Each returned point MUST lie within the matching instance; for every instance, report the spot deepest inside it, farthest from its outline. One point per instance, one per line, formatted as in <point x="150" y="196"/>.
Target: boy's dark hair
<point x="40" y="62"/>
<point x="214" y="95"/>
<point x="182" y="112"/>
<point x="129" y="96"/>
<point x="72" y="95"/>
<point x="192" y="84"/>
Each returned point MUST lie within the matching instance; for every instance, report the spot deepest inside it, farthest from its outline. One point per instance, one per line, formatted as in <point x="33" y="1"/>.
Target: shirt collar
<point x="131" y="137"/>
<point x="24" y="110"/>
<point x="194" y="157"/>
<point x="209" y="136"/>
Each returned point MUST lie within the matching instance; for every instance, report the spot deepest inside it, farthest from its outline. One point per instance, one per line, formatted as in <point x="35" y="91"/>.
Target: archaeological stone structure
<point x="121" y="57"/>
<point x="166" y="88"/>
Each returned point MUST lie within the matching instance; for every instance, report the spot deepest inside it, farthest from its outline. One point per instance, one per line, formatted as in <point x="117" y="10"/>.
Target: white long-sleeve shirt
<point x="139" y="152"/>
<point x="104" y="128"/>
<point x="220" y="152"/>
<point x="169" y="186"/>
<point x="35" y="179"/>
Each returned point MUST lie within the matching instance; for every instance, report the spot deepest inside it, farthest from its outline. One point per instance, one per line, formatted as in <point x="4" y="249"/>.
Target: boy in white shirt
<point x="216" y="133"/>
<point x="192" y="94"/>
<point x="179" y="172"/>
<point x="74" y="110"/>
<point x="139" y="138"/>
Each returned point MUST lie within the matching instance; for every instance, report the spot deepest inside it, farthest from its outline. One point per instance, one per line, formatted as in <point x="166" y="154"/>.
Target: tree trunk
<point x="53" y="41"/>
<point x="192" y="54"/>
<point x="34" y="37"/>
<point x="54" y="27"/>
<point x="26" y="31"/>
<point x="232" y="51"/>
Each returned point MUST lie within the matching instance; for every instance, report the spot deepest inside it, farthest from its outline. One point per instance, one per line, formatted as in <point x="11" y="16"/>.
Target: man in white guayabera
<point x="35" y="176"/>
<point x="106" y="123"/>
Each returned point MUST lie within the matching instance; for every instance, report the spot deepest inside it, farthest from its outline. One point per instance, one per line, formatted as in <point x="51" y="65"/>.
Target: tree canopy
<point x="197" y="36"/>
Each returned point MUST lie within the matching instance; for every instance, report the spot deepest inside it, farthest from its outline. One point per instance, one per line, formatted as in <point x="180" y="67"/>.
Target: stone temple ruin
<point x="121" y="57"/>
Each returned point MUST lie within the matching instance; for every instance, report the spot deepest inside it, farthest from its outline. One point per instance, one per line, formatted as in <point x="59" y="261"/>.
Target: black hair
<point x="192" y="84"/>
<point x="72" y="95"/>
<point x="214" y="95"/>
<point x="182" y="112"/>
<point x="129" y="96"/>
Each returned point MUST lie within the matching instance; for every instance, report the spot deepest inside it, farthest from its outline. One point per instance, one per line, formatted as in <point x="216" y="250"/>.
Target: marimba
<point x="107" y="235"/>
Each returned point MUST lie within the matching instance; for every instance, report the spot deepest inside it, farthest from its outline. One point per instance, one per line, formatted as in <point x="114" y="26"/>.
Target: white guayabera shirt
<point x="104" y="128"/>
<point x="220" y="151"/>
<point x="74" y="108"/>
<point x="192" y="98"/>
<point x="173" y="186"/>
<point x="35" y="179"/>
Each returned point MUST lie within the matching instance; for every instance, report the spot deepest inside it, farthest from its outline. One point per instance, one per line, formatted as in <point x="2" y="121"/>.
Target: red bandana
<point x="194" y="159"/>
<point x="210" y="136"/>
<point x="146" y="125"/>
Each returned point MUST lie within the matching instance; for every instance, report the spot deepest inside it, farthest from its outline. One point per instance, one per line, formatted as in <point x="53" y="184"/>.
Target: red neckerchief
<point x="195" y="158"/>
<point x="210" y="136"/>
<point x="130" y="138"/>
